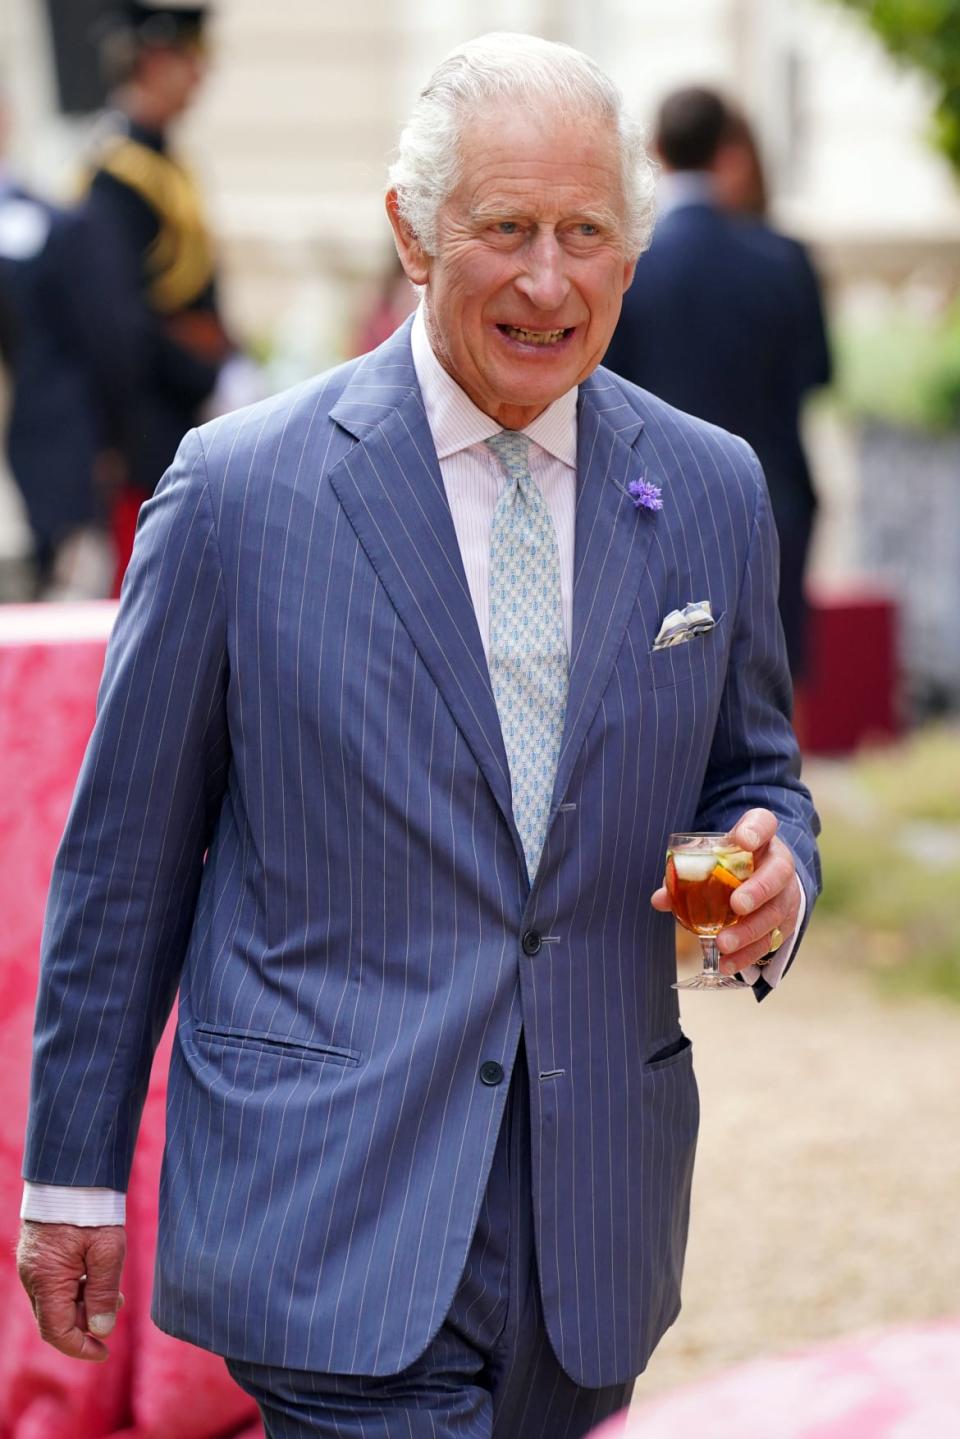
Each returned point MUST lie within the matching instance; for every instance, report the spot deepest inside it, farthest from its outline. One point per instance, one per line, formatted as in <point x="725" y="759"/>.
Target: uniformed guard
<point x="149" y="210"/>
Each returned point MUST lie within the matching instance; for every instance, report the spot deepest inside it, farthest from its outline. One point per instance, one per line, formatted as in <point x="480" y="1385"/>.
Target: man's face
<point x="525" y="287"/>
<point x="172" y="75"/>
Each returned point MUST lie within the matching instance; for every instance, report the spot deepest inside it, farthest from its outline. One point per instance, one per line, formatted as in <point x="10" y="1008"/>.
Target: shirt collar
<point x="456" y="422"/>
<point x="679" y="188"/>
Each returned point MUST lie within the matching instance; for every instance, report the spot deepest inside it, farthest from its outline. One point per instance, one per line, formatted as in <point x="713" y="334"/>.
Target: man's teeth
<point x="534" y="337"/>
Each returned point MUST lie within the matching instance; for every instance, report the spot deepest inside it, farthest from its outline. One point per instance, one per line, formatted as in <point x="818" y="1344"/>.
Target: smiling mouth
<point x="534" y="337"/>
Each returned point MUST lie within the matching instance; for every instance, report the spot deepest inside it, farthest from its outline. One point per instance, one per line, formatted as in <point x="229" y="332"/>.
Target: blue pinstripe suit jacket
<point x="296" y="807"/>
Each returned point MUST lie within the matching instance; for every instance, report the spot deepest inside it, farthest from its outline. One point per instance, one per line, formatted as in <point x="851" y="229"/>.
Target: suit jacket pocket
<point x="284" y="1046"/>
<point x="669" y="1053"/>
<point x="693" y="660"/>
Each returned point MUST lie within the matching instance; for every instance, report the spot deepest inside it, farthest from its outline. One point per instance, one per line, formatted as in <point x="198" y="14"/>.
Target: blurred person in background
<point x="740" y="186"/>
<point x="59" y="346"/>
<point x="739" y="180"/>
<point x="148" y="211"/>
<point x="385" y="763"/>
<point x="393" y="300"/>
<point x="724" y="318"/>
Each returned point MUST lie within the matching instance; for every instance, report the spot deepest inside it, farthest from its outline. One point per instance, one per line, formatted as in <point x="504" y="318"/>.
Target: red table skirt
<point x="152" y="1386"/>
<point x="850" y="695"/>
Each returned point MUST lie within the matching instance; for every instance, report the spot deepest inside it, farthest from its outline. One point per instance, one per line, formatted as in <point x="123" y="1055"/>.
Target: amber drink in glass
<point x="703" y="870"/>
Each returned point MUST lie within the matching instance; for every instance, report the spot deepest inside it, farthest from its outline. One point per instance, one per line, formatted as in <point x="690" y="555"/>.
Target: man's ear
<point x="413" y="257"/>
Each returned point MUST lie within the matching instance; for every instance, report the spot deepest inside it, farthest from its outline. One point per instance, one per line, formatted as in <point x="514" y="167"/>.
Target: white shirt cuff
<point x="69" y="1204"/>
<point x="773" y="970"/>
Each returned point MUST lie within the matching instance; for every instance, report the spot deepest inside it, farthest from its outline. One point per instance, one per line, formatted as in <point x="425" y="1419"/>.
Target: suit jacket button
<point x="531" y="943"/>
<point x="491" y="1072"/>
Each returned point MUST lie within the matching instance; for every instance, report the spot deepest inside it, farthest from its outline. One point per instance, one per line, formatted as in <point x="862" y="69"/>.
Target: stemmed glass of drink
<point x="703" y="870"/>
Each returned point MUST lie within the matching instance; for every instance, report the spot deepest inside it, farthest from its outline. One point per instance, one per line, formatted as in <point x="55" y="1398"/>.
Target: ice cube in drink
<point x="701" y="878"/>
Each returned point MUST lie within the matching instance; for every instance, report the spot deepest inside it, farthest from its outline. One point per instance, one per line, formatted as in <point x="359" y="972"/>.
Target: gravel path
<point x="828" y="1174"/>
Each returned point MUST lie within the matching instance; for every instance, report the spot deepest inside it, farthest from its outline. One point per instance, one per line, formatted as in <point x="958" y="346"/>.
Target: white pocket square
<point x="679" y="626"/>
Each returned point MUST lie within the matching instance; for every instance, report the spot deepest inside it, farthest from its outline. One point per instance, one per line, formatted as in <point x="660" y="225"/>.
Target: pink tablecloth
<point x="899" y="1384"/>
<point x="152" y="1387"/>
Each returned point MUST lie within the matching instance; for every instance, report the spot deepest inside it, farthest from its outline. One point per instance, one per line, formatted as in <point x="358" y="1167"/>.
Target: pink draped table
<point x="152" y="1386"/>
<point x="899" y="1383"/>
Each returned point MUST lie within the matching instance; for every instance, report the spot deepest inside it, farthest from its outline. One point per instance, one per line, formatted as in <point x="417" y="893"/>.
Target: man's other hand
<point x="767" y="901"/>
<point x="72" y="1275"/>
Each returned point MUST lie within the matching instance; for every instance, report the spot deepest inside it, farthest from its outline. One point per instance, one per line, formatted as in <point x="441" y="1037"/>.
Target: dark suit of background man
<point x="724" y="319"/>
<point x="383" y="773"/>
<point x="148" y="210"/>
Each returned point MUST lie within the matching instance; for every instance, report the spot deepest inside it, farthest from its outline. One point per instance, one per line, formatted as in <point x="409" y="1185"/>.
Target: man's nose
<point x="543" y="279"/>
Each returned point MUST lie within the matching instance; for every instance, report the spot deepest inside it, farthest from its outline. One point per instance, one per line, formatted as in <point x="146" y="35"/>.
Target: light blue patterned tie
<point x="528" y="650"/>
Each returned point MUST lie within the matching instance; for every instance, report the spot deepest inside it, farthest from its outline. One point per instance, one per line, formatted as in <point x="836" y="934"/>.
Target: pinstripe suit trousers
<point x="489" y="1373"/>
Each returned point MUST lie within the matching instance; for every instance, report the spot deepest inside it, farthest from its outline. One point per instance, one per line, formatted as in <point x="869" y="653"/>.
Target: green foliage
<point x="919" y="781"/>
<point x="925" y="34"/>
<point x="901" y="369"/>
<point x="891" y="862"/>
<point x="874" y="882"/>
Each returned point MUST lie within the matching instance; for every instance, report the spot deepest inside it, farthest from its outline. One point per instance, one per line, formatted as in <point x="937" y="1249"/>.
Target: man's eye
<point x="586" y="228"/>
<point x="507" y="227"/>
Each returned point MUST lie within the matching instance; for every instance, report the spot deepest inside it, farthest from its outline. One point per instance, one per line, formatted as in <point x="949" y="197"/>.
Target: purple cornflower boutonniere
<point x="645" y="495"/>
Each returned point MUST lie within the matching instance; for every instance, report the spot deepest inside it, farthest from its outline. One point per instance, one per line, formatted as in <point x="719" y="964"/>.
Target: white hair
<point x="524" y="70"/>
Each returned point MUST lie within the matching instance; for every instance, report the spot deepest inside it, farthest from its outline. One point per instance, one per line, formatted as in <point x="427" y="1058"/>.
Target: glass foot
<point x="711" y="981"/>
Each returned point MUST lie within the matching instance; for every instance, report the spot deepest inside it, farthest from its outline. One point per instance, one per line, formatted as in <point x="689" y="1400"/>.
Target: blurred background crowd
<point x="191" y="216"/>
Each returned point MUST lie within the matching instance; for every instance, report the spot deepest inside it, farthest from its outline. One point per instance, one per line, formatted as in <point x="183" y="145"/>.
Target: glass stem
<point x="711" y="955"/>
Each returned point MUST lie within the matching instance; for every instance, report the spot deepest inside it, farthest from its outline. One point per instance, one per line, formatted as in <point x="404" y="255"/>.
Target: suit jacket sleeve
<point x="128" y="869"/>
<point x="814" y="363"/>
<point x="754" y="761"/>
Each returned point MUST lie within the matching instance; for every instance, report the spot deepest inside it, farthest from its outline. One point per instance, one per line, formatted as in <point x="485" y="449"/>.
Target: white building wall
<point x="868" y="167"/>
<point x="844" y="128"/>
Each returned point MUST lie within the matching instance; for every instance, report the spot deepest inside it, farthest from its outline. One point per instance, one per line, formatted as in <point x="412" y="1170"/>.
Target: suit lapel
<point x="612" y="540"/>
<point x="391" y="491"/>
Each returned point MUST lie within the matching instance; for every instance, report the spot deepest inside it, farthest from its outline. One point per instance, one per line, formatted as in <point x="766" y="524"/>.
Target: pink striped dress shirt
<point x="473" y="477"/>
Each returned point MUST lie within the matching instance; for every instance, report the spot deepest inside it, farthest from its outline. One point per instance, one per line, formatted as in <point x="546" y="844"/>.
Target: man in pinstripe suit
<point x="431" y="1113"/>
